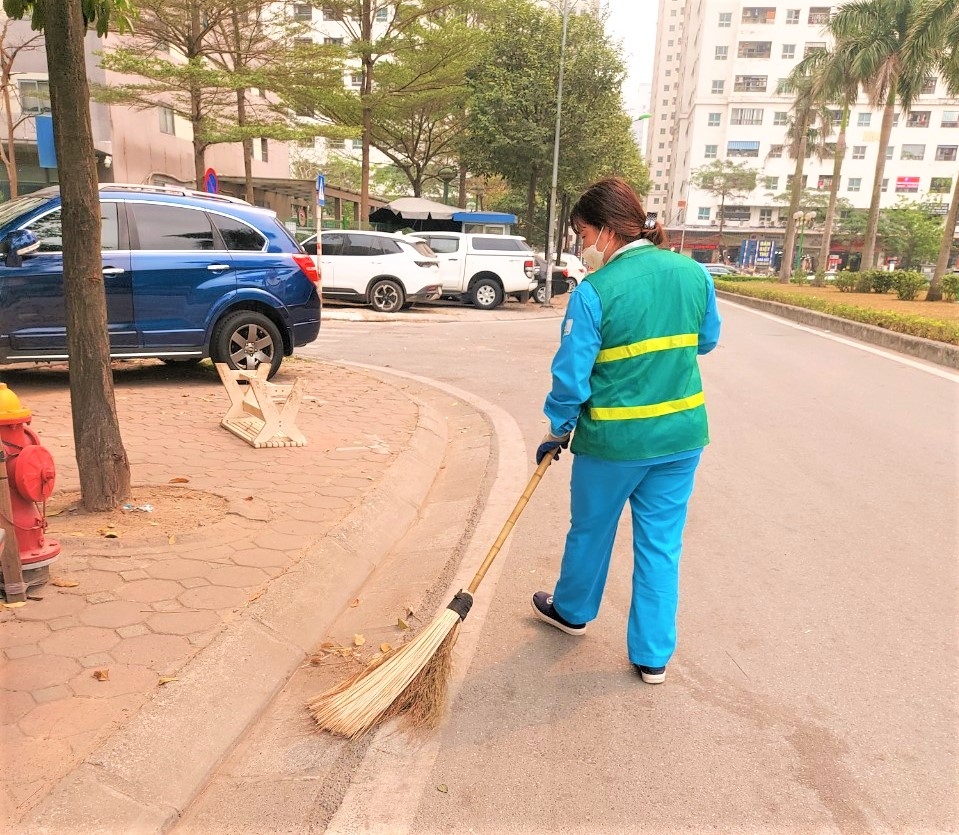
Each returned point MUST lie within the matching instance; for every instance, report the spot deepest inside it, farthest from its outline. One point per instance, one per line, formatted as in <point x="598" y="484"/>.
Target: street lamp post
<point x="447" y="175"/>
<point x="804" y="219"/>
<point x="551" y="218"/>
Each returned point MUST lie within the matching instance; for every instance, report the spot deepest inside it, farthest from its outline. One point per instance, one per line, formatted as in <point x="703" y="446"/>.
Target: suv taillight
<point x="530" y="268"/>
<point x="308" y="265"/>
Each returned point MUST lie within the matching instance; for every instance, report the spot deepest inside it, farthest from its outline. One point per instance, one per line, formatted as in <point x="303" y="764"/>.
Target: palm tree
<point x="936" y="32"/>
<point x="810" y="121"/>
<point x="872" y="34"/>
<point x="829" y="70"/>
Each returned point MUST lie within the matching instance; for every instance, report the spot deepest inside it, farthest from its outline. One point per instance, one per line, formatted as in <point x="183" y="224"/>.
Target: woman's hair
<point x="611" y="203"/>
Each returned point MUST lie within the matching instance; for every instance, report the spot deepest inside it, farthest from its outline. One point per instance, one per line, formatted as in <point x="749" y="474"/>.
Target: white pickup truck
<point x="483" y="269"/>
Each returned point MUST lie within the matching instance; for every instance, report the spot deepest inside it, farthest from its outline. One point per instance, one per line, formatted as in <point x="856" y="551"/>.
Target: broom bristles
<point x="410" y="680"/>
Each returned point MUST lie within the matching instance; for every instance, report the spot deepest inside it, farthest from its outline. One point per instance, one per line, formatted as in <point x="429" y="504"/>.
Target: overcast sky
<point x="633" y="24"/>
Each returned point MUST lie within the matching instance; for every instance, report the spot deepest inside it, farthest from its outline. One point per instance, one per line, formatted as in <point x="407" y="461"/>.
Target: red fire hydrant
<point x="31" y="473"/>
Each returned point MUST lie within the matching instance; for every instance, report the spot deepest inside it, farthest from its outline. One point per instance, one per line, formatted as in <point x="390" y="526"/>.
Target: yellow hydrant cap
<point x="10" y="408"/>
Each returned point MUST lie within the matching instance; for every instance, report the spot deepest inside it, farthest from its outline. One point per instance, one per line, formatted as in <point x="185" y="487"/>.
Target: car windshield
<point x="21" y="206"/>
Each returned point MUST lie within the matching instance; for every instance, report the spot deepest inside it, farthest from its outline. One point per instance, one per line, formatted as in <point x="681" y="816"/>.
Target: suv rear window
<point x="237" y="235"/>
<point x="501" y="244"/>
<point x="444" y="245"/>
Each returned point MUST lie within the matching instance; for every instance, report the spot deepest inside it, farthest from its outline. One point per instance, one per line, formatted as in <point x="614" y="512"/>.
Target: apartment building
<point x="717" y="67"/>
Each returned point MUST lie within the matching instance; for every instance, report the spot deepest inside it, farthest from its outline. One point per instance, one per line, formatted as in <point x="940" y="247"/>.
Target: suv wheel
<point x="244" y="339"/>
<point x="540" y="294"/>
<point x="570" y="284"/>
<point x="387" y="296"/>
<point x="486" y="294"/>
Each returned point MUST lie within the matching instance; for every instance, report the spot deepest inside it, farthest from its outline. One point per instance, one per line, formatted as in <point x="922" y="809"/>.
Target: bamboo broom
<point x="411" y="680"/>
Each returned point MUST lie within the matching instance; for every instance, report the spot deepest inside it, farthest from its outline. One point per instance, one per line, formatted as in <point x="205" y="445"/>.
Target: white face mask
<point x="592" y="257"/>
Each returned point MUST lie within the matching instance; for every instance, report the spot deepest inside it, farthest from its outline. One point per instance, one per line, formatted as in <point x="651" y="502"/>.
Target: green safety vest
<point x="646" y="392"/>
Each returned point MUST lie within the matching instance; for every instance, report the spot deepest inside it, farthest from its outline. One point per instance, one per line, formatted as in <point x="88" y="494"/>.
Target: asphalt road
<point x="814" y="687"/>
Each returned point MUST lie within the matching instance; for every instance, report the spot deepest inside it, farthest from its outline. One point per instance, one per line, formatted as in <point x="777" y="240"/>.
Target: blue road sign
<point x="210" y="182"/>
<point x="320" y="190"/>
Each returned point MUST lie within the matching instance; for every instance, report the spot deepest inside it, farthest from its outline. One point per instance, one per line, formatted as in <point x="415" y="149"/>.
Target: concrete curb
<point x="142" y="777"/>
<point x="940" y="353"/>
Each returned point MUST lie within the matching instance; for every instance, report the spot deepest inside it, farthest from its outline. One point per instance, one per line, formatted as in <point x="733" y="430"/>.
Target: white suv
<point x="386" y="271"/>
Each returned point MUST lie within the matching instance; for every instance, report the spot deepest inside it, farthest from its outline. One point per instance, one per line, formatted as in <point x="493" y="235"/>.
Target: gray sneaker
<point x="651" y="675"/>
<point x="543" y="609"/>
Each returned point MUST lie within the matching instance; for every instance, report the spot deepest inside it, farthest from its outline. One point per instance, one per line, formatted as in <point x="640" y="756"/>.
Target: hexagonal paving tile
<point x="183" y="623"/>
<point x="114" y="614"/>
<point x="176" y="569"/>
<point x="67" y="717"/>
<point x="122" y="679"/>
<point x="13" y="705"/>
<point x="158" y="652"/>
<point x="16" y="633"/>
<point x="148" y="591"/>
<point x="79" y="641"/>
<point x="213" y="597"/>
<point x="38" y="671"/>
<point x="52" y="606"/>
<point x="236" y="576"/>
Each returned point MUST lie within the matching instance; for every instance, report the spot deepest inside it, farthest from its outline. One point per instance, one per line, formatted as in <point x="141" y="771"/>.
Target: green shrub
<point x="908" y="284"/>
<point x="864" y="281"/>
<point x="799" y="277"/>
<point x="819" y="280"/>
<point x="846" y="282"/>
<point x="950" y="287"/>
<point x="882" y="281"/>
<point x="922" y="326"/>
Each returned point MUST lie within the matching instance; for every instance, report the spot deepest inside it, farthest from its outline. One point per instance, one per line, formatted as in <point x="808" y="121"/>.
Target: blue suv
<point x="187" y="275"/>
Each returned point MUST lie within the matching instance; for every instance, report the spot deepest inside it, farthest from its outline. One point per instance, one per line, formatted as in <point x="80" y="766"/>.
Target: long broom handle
<point x="494" y="550"/>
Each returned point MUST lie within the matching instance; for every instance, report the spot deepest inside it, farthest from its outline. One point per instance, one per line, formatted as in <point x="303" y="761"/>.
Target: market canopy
<point x="429" y="215"/>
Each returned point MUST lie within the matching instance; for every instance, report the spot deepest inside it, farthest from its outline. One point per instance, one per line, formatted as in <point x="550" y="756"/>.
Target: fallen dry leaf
<point x="63" y="584"/>
<point x="402" y="624"/>
<point x="111" y="534"/>
<point x="442" y="787"/>
<point x="358" y="640"/>
<point x="167" y="679"/>
<point x="172" y="539"/>
<point x="355" y="603"/>
<point x="179" y="480"/>
<point x="385" y="647"/>
<point x="101" y="675"/>
<point x="255" y="595"/>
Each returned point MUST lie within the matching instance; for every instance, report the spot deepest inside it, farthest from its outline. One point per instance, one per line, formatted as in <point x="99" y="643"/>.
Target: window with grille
<point x="858" y="151"/>
<point x="382" y="15"/>
<point x="918" y="119"/>
<point x="718" y="87"/>
<point x="759" y="14"/>
<point x="950" y="118"/>
<point x="855" y="184"/>
<point x="792" y="16"/>
<point x="333" y="41"/>
<point x="742" y="148"/>
<point x="863" y="120"/>
<point x="264" y="149"/>
<point x="34" y="96"/>
<point x="813" y="46"/>
<point x="750" y="83"/>
<point x="329" y="13"/>
<point x="819" y="15"/>
<point x="780" y="118"/>
<point x="913" y="152"/>
<point x="765" y="215"/>
<point x="356" y="79"/>
<point x="940" y="185"/>
<point x="824" y="182"/>
<point x="711" y="151"/>
<point x="889" y="151"/>
<point x="737" y="214"/>
<point x="884" y="186"/>
<point x="946" y="153"/>
<point x="789" y="51"/>
<point x="770" y="184"/>
<point x="746" y="116"/>
<point x="928" y="86"/>
<point x="775" y="151"/>
<point x="725" y="20"/>
<point x="713" y="120"/>
<point x="302" y="11"/>
<point x="755" y="49"/>
<point x="722" y="53"/>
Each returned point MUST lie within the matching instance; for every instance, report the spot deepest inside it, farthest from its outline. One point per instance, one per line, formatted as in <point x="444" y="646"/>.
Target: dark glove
<point x="549" y="443"/>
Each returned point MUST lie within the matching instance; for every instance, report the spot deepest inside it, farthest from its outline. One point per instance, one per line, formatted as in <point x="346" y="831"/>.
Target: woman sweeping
<point x="626" y="379"/>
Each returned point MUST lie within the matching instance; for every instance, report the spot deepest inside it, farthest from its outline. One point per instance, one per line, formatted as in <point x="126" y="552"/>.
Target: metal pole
<point x="551" y="218"/>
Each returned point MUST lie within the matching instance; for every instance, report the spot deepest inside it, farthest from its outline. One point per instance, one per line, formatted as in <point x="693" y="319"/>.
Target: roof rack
<point x="170" y="189"/>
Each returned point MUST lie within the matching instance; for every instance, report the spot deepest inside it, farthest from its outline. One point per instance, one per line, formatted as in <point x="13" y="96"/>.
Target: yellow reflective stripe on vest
<point x="647" y="346"/>
<point x="653" y="410"/>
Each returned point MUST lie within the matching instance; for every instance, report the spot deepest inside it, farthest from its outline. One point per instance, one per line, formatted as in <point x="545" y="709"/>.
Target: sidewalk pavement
<point x="227" y="610"/>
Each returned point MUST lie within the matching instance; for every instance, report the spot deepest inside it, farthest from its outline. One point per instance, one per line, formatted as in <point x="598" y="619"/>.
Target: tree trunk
<point x="531" y="205"/>
<point x="247" y="143"/>
<point x="795" y="194"/>
<point x="872" y="226"/>
<point x="934" y="294"/>
<point x="103" y="466"/>
<point x="833" y="191"/>
<point x="461" y="201"/>
<point x="366" y="35"/>
<point x="10" y="144"/>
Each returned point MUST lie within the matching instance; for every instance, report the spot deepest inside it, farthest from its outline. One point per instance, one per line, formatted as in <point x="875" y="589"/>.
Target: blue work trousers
<point x="658" y="495"/>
